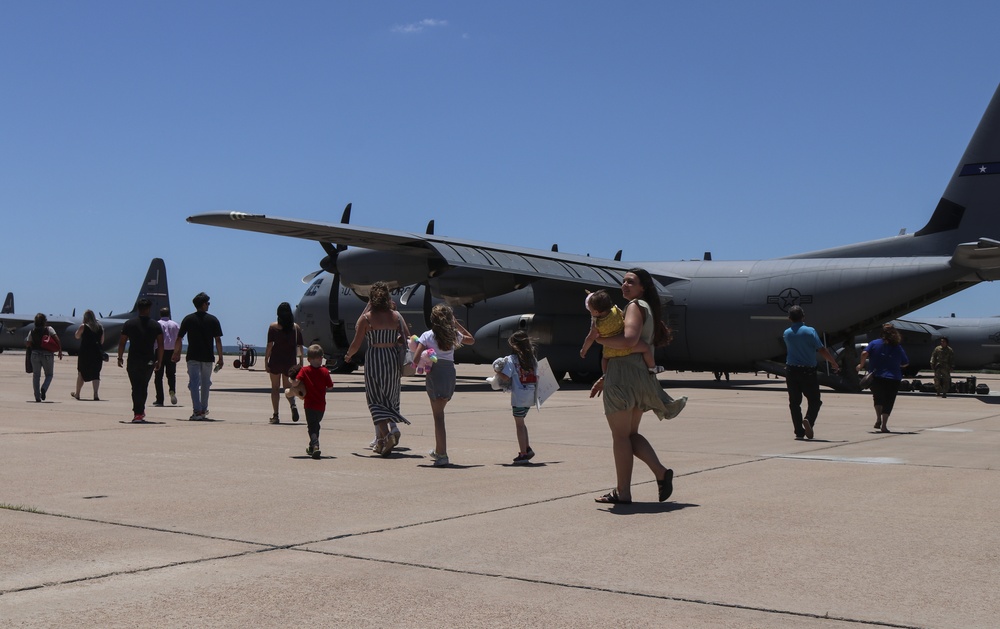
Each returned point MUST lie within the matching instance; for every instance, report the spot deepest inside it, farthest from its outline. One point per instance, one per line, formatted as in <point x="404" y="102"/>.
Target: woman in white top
<point x="445" y="335"/>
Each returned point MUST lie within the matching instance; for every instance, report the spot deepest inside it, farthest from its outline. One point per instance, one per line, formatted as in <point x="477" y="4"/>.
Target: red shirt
<point x="317" y="380"/>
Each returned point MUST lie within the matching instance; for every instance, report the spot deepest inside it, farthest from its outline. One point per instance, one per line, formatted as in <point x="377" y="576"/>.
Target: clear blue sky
<point x="752" y="130"/>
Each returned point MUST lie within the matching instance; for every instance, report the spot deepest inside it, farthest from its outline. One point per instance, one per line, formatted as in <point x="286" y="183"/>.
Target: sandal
<point x="612" y="498"/>
<point x="666" y="486"/>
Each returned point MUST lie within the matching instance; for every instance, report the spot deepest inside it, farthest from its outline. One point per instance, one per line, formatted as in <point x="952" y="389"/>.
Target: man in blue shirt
<point x="802" y="343"/>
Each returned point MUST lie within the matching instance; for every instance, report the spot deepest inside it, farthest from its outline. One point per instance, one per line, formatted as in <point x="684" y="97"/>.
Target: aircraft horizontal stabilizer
<point x="983" y="255"/>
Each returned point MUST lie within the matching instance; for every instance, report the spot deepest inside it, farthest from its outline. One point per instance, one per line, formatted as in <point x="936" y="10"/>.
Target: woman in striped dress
<point x="385" y="330"/>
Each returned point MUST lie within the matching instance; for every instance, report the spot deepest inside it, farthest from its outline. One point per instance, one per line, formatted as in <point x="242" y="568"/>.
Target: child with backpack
<point x="520" y="373"/>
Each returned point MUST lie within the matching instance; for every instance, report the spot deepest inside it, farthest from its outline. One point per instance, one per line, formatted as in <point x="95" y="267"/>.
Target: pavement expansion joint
<point x="591" y="588"/>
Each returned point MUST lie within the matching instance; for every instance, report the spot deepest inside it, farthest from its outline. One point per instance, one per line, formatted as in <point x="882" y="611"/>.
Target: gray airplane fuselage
<point x="744" y="302"/>
<point x="14" y="337"/>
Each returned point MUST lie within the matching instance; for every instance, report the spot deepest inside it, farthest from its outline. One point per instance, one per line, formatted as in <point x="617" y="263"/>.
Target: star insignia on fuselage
<point x="788" y="298"/>
<point x="995" y="337"/>
<point x="982" y="169"/>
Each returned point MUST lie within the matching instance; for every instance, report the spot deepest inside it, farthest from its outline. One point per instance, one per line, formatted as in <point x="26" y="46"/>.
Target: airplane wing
<point x="440" y="251"/>
<point x="914" y="330"/>
<point x="14" y="322"/>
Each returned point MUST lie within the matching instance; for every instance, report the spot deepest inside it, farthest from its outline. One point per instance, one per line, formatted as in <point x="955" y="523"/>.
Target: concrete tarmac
<point x="229" y="524"/>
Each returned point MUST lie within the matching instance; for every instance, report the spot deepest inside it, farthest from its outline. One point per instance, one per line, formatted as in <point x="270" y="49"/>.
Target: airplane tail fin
<point x="968" y="210"/>
<point x="154" y="288"/>
<point x="970" y="206"/>
<point x="8" y="304"/>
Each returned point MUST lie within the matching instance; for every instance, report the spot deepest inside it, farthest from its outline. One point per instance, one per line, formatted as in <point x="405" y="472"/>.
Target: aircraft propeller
<point x="329" y="262"/>
<point x="405" y="297"/>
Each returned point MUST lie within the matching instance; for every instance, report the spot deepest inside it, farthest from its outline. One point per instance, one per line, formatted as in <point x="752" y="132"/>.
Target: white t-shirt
<point x="521" y="393"/>
<point x="427" y="340"/>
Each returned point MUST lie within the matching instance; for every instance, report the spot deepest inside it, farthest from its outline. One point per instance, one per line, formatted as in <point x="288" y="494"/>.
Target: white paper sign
<point x="546" y="384"/>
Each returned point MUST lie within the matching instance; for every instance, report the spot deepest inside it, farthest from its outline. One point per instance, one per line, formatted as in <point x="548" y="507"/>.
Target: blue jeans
<point x="41" y="360"/>
<point x="199" y="382"/>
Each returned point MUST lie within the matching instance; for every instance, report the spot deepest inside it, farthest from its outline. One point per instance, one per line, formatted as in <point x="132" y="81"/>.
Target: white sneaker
<point x="371" y="446"/>
<point x="390" y="443"/>
<point x="440" y="460"/>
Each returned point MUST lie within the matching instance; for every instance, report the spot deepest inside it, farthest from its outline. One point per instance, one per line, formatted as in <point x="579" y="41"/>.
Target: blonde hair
<point x="90" y="321"/>
<point x="443" y="326"/>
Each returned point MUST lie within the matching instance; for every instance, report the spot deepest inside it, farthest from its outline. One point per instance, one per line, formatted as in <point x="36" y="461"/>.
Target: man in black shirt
<point x="201" y="329"/>
<point x="145" y="353"/>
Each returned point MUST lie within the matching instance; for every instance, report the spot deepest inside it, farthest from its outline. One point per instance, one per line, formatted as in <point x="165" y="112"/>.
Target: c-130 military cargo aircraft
<point x="727" y="315"/>
<point x="14" y="327"/>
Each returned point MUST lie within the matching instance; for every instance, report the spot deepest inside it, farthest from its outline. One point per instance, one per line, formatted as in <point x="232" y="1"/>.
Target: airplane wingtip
<point x="213" y="217"/>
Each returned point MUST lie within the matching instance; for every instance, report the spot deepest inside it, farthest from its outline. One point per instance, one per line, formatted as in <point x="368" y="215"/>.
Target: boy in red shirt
<point x="316" y="381"/>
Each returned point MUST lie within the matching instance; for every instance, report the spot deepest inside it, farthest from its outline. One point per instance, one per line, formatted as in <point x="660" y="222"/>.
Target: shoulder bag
<point x="403" y="350"/>
<point x="50" y="343"/>
<point x="866" y="382"/>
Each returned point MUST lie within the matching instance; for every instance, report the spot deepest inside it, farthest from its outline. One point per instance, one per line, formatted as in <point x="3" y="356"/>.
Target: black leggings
<point x="313" y="418"/>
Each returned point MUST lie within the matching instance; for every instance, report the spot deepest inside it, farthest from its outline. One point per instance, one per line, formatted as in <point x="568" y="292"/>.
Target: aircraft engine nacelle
<point x="491" y="339"/>
<point x="360" y="268"/>
<point x="558" y="339"/>
<point x="465" y="286"/>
